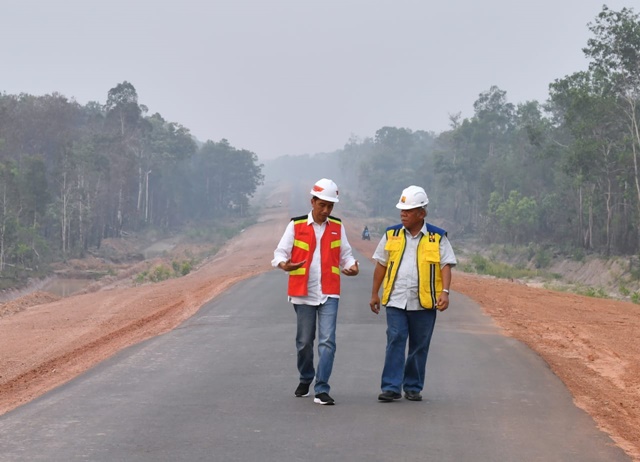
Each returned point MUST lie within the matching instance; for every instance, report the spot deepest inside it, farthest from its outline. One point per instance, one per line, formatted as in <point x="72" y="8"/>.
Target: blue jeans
<point x="327" y="313"/>
<point x="417" y="326"/>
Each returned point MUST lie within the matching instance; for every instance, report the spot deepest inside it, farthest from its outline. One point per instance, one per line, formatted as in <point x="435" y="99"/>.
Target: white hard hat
<point x="412" y="197"/>
<point x="326" y="190"/>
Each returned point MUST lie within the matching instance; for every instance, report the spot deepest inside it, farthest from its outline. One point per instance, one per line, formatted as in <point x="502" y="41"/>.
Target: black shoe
<point x="388" y="396"/>
<point x="324" y="398"/>
<point x="413" y="395"/>
<point x="302" y="390"/>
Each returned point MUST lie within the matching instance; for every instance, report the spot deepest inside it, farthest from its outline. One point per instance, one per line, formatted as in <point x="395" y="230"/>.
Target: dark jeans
<point x="417" y="327"/>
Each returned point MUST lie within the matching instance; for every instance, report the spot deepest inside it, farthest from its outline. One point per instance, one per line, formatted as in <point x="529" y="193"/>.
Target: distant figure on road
<point x="312" y="250"/>
<point x="414" y="261"/>
<point x="365" y="234"/>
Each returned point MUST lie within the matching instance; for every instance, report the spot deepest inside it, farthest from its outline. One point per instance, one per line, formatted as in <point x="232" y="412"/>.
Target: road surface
<point x="220" y="388"/>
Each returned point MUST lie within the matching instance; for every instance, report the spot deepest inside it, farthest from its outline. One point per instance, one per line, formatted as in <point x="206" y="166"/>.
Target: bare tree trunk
<point x="146" y="198"/>
<point x="580" y="212"/>
<point x="119" y="213"/>
<point x="635" y="145"/>
<point x="63" y="224"/>
<point x="81" y="231"/>
<point x="3" y="226"/>
<point x="608" y="196"/>
<point x="590" y="225"/>
<point x="140" y="187"/>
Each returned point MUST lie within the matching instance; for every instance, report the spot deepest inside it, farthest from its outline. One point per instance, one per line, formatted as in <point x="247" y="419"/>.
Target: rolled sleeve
<point x="347" y="260"/>
<point x="283" y="250"/>
<point x="447" y="257"/>
<point x="381" y="255"/>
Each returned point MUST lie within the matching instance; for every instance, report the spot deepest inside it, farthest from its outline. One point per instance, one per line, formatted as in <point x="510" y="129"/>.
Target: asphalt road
<point x="220" y="388"/>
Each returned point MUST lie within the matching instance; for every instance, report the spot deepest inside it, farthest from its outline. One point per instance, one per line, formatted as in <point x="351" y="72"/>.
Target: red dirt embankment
<point x="591" y="344"/>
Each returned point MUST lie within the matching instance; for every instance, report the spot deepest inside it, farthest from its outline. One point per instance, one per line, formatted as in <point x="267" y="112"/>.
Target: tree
<point x="226" y="178"/>
<point x="594" y="158"/>
<point x="122" y="106"/>
<point x="517" y="216"/>
<point x="615" y="54"/>
<point x="8" y="212"/>
<point x="127" y="152"/>
<point x="398" y="158"/>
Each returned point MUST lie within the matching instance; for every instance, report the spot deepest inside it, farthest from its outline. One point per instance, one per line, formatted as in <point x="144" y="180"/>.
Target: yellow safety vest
<point x="428" y="256"/>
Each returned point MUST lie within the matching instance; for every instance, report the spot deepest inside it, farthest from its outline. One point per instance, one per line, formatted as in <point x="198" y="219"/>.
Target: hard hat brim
<point x="326" y="198"/>
<point x="402" y="206"/>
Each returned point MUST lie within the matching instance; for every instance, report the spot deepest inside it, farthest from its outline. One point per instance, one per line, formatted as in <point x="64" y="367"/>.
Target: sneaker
<point x="388" y="396"/>
<point x="413" y="395"/>
<point x="302" y="390"/>
<point x="324" y="398"/>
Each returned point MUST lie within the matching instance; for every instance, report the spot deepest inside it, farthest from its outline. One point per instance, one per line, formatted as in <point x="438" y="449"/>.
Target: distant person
<point x="365" y="234"/>
<point x="414" y="261"/>
<point x="312" y="250"/>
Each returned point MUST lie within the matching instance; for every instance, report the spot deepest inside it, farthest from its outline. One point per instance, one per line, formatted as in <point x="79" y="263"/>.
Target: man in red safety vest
<point x="313" y="249"/>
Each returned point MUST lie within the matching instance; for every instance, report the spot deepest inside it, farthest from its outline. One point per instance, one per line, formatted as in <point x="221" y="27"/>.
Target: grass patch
<point x="163" y="272"/>
<point x="482" y="265"/>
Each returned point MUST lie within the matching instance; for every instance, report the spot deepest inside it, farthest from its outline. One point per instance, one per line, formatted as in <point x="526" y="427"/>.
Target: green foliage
<point x="181" y="268"/>
<point x="73" y="175"/>
<point x="596" y="292"/>
<point x="185" y="268"/>
<point x="482" y="265"/>
<point x="579" y="254"/>
<point x="557" y="174"/>
<point x="397" y="158"/>
<point x="159" y="273"/>
<point x="141" y="277"/>
<point x="543" y="258"/>
<point x="516" y="216"/>
<point x="225" y="178"/>
<point x="162" y="273"/>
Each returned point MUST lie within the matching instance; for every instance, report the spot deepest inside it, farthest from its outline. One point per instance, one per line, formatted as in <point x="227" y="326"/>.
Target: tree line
<point x="564" y="172"/>
<point x="72" y="175"/>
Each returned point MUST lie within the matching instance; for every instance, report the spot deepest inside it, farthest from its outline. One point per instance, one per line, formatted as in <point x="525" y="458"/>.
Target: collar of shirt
<point x="311" y="221"/>
<point x="423" y="230"/>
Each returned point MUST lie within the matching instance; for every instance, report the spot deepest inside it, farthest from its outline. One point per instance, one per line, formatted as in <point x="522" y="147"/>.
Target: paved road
<point x="220" y="388"/>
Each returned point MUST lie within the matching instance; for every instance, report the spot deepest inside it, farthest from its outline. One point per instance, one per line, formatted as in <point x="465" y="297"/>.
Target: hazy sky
<point x="295" y="76"/>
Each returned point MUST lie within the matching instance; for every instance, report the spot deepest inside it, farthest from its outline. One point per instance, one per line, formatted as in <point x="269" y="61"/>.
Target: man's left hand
<point x="443" y="301"/>
<point x="354" y="270"/>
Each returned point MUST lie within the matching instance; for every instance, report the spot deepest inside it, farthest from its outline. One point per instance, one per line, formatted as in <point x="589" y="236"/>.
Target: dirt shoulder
<point x="589" y="343"/>
<point x="45" y="341"/>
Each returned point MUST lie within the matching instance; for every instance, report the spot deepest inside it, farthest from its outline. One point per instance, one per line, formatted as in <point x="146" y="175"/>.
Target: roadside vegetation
<point x="592" y="276"/>
<point x="73" y="176"/>
<point x="198" y="243"/>
<point x="555" y="182"/>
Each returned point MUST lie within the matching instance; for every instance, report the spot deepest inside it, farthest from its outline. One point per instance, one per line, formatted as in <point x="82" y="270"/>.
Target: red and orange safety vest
<point x="304" y="245"/>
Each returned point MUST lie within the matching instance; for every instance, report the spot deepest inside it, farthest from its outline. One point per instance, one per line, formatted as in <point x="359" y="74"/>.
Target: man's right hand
<point x="288" y="266"/>
<point x="375" y="304"/>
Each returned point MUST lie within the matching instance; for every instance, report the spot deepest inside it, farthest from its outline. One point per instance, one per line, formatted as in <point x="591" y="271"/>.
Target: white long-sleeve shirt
<point x="314" y="296"/>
